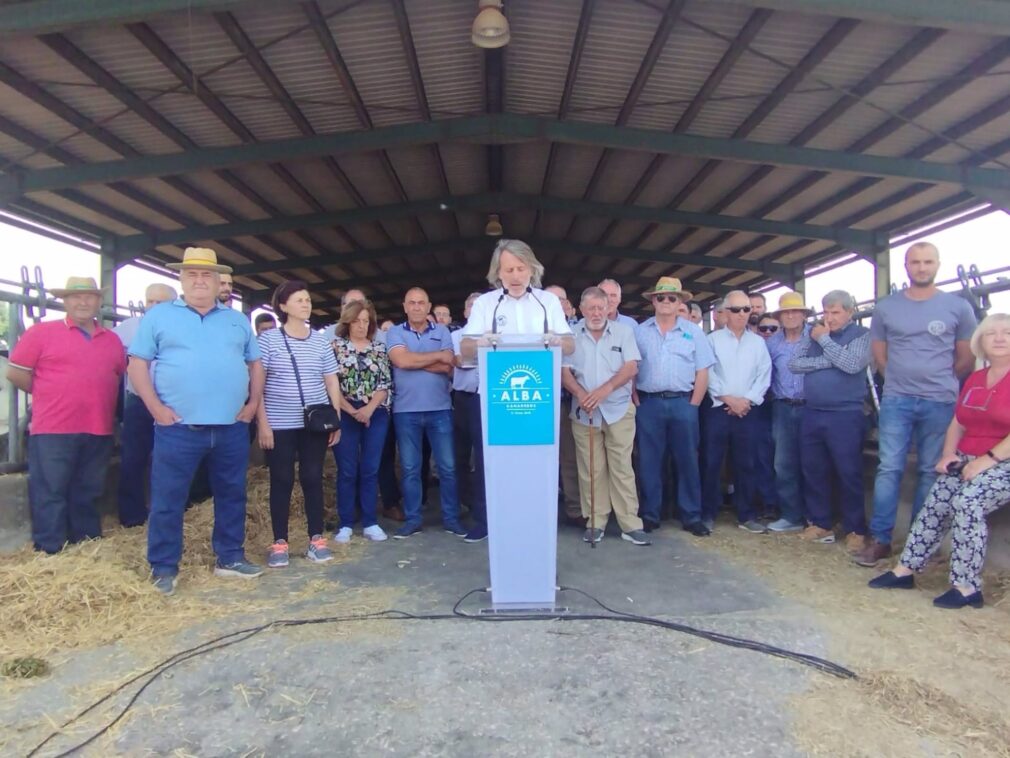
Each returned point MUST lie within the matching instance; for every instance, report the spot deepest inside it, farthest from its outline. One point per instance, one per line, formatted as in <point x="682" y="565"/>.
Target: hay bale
<point x="931" y="681"/>
<point x="98" y="592"/>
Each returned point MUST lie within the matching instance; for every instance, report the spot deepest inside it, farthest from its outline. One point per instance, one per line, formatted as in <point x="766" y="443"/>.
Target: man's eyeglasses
<point x="738" y="308"/>
<point x="768" y="328"/>
<point x="665" y="298"/>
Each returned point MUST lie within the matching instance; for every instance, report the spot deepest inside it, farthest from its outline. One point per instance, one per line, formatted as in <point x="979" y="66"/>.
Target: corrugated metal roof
<point x="536" y="65"/>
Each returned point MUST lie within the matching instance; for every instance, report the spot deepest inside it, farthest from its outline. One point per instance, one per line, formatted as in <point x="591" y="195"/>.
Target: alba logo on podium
<point x="521" y="399"/>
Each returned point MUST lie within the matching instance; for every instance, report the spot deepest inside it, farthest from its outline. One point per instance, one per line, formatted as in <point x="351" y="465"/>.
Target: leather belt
<point x="665" y="395"/>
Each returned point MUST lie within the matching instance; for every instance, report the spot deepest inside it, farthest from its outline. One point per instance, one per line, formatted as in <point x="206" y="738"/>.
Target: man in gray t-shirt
<point x="920" y="340"/>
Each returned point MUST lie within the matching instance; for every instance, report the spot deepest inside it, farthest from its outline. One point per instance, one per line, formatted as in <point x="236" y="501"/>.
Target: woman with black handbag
<point x="365" y="385"/>
<point x="299" y="418"/>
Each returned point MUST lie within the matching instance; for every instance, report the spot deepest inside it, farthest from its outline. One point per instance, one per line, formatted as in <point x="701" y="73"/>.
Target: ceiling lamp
<point x="493" y="227"/>
<point x="490" y="28"/>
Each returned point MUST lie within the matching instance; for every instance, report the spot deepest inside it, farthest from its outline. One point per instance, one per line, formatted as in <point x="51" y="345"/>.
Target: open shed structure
<point x="365" y="142"/>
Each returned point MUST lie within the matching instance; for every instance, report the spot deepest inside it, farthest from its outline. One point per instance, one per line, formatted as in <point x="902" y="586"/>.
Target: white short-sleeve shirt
<point x="522" y="315"/>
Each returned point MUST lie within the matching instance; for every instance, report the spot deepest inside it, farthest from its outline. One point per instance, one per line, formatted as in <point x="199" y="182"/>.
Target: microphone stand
<point x="494" y="318"/>
<point x="547" y="341"/>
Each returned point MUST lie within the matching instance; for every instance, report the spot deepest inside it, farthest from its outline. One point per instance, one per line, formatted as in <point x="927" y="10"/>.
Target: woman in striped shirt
<point x="365" y="385"/>
<point x="281" y="417"/>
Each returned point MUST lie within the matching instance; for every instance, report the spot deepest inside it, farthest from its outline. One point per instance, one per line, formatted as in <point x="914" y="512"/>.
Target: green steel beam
<point x="42" y="16"/>
<point x="494" y="129"/>
<point x="494" y="203"/>
<point x="989" y="17"/>
<point x="775" y="270"/>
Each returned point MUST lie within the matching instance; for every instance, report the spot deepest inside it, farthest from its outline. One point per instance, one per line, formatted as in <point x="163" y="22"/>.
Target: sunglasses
<point x="768" y="329"/>
<point x="665" y="298"/>
<point x="738" y="308"/>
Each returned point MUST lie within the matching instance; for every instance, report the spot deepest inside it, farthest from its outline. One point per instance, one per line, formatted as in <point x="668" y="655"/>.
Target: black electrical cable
<point x="242" y="635"/>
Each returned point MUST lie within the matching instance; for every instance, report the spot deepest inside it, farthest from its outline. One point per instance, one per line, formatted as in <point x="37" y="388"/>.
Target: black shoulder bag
<point x="321" y="417"/>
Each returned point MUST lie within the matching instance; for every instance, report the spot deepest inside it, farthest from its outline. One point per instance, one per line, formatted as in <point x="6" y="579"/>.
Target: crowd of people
<point x="659" y="419"/>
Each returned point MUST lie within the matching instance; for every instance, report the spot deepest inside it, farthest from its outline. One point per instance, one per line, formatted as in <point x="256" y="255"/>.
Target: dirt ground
<point x="924" y="673"/>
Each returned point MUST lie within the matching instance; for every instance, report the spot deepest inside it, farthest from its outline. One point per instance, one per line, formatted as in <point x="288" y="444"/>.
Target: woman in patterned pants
<point x="975" y="476"/>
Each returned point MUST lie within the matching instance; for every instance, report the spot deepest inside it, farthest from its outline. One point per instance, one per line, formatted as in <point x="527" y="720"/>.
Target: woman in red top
<point x="975" y="476"/>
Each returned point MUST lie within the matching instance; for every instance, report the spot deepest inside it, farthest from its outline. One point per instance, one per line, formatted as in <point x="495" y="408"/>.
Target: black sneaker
<point x="698" y="529"/>
<point x="238" y="570"/>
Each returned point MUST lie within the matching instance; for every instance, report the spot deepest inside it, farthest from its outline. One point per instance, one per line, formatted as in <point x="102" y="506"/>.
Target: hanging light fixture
<point x="490" y="28"/>
<point x="493" y="227"/>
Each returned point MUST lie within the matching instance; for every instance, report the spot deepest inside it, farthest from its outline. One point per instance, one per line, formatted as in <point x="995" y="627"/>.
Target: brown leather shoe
<point x="872" y="554"/>
<point x="855" y="543"/>
<point x="394" y="513"/>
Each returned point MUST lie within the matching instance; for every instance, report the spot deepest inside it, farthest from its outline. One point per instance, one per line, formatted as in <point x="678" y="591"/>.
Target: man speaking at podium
<point x="516" y="305"/>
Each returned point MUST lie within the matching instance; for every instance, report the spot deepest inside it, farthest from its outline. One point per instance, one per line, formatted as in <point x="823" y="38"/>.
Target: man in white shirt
<point x="516" y="305"/>
<point x="468" y="436"/>
<point x="737" y="383"/>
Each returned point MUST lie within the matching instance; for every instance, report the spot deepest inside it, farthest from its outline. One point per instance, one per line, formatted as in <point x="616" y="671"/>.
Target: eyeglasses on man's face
<point x="665" y="298"/>
<point x="738" y="308"/>
<point x="768" y="328"/>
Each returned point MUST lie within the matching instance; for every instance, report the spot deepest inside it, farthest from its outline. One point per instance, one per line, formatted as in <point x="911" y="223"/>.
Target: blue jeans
<point x="904" y="419"/>
<point x="764" y="457"/>
<point x="721" y="430"/>
<point x="668" y="425"/>
<point x="135" y="443"/>
<point x="788" y="455"/>
<point x="411" y="429"/>
<point x="832" y="443"/>
<point x="359" y="454"/>
<point x="66" y="476"/>
<point x="178" y="451"/>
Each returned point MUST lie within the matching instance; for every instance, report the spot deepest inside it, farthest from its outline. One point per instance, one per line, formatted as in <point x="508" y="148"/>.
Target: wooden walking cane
<point x="592" y="487"/>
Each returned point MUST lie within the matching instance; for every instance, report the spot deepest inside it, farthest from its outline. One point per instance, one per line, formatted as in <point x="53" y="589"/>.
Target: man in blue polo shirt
<point x="207" y="384"/>
<point x="422" y="356"/>
<point x="672" y="381"/>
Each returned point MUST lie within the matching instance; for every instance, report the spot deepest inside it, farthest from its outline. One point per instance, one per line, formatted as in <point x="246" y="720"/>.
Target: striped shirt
<point x="315" y="359"/>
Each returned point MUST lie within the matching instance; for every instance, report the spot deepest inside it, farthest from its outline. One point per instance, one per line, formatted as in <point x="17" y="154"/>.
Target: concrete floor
<point x="474" y="688"/>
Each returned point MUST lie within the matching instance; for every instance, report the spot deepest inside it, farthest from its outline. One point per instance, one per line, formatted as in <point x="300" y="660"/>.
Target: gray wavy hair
<point x="520" y="250"/>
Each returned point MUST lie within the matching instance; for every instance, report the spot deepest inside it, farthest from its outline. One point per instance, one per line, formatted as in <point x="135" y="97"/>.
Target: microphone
<point x="529" y="289"/>
<point x="494" y="314"/>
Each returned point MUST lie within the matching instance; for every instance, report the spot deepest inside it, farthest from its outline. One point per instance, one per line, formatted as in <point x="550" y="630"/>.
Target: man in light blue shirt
<point x="207" y="386"/>
<point x="598" y="374"/>
<point x="738" y="382"/>
<point x="422" y="357"/>
<point x="613" y="290"/>
<point x="671" y="383"/>
<point x="787" y="410"/>
<point x="468" y="434"/>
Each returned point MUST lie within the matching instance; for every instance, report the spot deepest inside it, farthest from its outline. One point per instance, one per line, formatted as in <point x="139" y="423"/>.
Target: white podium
<point x="520" y="388"/>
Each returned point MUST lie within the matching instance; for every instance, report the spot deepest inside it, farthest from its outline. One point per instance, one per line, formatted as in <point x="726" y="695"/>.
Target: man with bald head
<point x="919" y="338"/>
<point x="613" y="290"/>
<point x="137" y="435"/>
<point x="421" y="353"/>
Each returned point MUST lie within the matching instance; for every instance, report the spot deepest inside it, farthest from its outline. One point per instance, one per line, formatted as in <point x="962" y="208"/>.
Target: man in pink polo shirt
<point x="73" y="369"/>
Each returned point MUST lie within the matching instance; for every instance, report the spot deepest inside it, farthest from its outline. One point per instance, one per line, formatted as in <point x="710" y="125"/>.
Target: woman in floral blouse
<point x="365" y="383"/>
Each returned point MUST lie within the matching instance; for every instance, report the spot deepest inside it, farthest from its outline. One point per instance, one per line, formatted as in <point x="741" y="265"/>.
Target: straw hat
<point x="78" y="285"/>
<point x="200" y="257"/>
<point x="668" y="285"/>
<point x="792" y="301"/>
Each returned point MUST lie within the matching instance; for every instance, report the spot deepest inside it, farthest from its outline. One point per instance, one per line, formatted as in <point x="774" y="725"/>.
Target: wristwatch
<point x="992" y="455"/>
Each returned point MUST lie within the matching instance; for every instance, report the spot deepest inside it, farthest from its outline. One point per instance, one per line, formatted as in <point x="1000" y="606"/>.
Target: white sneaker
<point x="374" y="533"/>
<point x="343" y="536"/>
